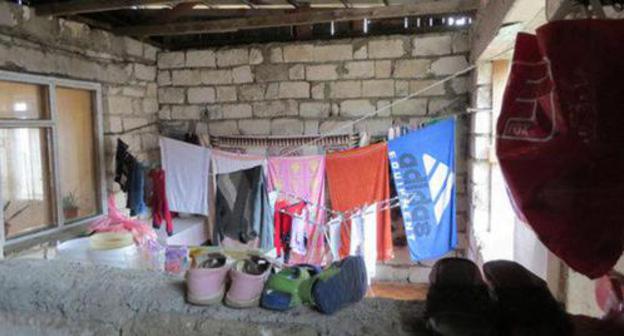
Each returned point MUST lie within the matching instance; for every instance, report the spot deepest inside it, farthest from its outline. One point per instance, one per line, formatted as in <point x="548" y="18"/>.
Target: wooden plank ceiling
<point x="178" y="24"/>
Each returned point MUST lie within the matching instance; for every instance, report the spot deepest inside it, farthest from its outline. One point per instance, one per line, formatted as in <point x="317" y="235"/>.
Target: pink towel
<point x="303" y="176"/>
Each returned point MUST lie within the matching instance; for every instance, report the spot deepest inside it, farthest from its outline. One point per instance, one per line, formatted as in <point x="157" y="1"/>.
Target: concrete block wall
<point x="312" y="87"/>
<point x="479" y="142"/>
<point x="126" y="69"/>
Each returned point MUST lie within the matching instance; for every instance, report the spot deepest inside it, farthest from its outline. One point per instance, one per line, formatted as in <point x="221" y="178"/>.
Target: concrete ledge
<point x="58" y="298"/>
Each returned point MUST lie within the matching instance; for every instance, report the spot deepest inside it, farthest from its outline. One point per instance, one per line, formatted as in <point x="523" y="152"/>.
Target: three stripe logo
<point x="441" y="181"/>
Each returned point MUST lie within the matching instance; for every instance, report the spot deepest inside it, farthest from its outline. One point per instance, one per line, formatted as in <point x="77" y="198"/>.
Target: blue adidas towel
<point x="423" y="167"/>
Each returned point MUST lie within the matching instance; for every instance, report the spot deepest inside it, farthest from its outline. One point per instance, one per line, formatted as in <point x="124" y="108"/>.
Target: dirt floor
<point x="39" y="297"/>
<point x="398" y="291"/>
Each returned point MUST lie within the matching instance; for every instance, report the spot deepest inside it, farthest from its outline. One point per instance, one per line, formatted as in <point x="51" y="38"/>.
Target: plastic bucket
<point x="74" y="250"/>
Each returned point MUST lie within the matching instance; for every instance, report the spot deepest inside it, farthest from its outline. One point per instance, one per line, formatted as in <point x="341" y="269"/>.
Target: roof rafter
<point x="74" y="7"/>
<point x="302" y="18"/>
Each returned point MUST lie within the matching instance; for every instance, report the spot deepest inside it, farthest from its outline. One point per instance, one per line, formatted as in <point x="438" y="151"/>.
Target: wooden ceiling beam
<point x="204" y="13"/>
<point x="301" y="18"/>
<point x="74" y="7"/>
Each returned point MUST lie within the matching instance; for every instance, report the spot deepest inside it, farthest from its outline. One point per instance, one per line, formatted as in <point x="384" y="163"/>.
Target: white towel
<point x="187" y="170"/>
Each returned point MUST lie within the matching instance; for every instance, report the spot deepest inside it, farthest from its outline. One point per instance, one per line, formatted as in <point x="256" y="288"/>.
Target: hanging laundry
<point x="298" y="235"/>
<point x="136" y="191"/>
<point x="364" y="238"/>
<point x="243" y="209"/>
<point x="124" y="161"/>
<point x="356" y="236"/>
<point x="333" y="231"/>
<point x="129" y="173"/>
<point x="560" y="143"/>
<point x="303" y="176"/>
<point x="187" y="169"/>
<point x="227" y="162"/>
<point x="423" y="167"/>
<point x="283" y="225"/>
<point x="160" y="206"/>
<point x="369" y="235"/>
<point x="357" y="177"/>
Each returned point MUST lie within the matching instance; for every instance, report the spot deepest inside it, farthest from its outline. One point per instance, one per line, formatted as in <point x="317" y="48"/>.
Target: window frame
<point x="51" y="83"/>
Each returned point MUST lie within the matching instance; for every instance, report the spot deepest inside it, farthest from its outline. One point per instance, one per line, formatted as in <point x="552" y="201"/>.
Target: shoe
<point x="341" y="284"/>
<point x="206" y="282"/>
<point x="248" y="278"/>
<point x="284" y="289"/>
<point x="458" y="301"/>
<point x="526" y="305"/>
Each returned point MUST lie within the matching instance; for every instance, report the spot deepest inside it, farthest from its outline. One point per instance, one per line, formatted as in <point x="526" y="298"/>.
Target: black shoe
<point x="526" y="305"/>
<point x="459" y="302"/>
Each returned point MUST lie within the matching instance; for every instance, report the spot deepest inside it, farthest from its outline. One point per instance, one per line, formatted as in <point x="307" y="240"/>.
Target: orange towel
<point x="358" y="177"/>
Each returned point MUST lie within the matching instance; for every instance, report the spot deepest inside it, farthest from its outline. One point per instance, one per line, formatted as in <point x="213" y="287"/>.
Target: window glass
<point x="23" y="101"/>
<point x="25" y="179"/>
<point x="77" y="153"/>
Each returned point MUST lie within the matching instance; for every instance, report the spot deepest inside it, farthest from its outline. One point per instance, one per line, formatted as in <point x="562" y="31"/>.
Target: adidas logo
<point x="441" y="180"/>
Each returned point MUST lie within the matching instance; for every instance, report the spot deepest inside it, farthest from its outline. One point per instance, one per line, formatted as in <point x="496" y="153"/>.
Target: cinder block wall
<point x="126" y="69"/>
<point x="313" y="87"/>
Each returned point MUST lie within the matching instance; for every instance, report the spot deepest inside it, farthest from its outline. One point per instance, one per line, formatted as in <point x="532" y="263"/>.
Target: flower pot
<point x="70" y="213"/>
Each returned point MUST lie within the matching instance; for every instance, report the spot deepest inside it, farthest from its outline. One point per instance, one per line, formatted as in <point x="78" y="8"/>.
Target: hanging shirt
<point x="357" y="177"/>
<point x="242" y="208"/>
<point x="187" y="169"/>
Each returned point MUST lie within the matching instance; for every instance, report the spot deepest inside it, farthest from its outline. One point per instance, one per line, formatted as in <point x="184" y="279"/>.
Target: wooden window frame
<point x="50" y="124"/>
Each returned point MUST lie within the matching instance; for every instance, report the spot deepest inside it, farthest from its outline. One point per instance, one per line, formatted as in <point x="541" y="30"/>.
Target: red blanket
<point x="356" y="178"/>
<point x="561" y="139"/>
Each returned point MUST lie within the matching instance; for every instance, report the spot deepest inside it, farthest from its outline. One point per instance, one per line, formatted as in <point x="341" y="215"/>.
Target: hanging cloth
<point x="358" y="177"/>
<point x="187" y="169"/>
<point x="303" y="176"/>
<point x="243" y="211"/>
<point x="559" y="140"/>
<point x="227" y="162"/>
<point x="423" y="167"/>
<point x="130" y="175"/>
<point x="160" y="206"/>
<point x="364" y="238"/>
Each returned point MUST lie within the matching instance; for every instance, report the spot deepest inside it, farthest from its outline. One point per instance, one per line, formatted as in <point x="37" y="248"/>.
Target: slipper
<point x="342" y="284"/>
<point x="206" y="283"/>
<point x="282" y="289"/>
<point x="248" y="278"/>
<point x="458" y="301"/>
<point x="526" y="305"/>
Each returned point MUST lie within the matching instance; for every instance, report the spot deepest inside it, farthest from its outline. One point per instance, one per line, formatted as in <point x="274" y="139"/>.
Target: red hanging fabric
<point x="560" y="140"/>
<point x="356" y="178"/>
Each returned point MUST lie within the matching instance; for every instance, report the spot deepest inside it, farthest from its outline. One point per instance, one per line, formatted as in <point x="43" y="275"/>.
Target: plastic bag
<point x="560" y="140"/>
<point x="116" y="221"/>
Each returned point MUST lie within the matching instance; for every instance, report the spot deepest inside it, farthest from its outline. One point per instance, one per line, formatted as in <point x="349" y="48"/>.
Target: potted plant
<point x="70" y="206"/>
